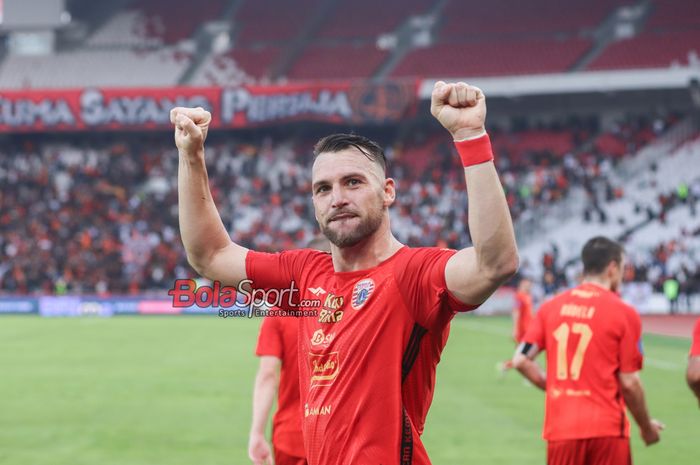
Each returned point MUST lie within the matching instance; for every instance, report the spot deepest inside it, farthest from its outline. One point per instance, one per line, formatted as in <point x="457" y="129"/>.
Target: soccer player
<point x="277" y="349"/>
<point x="278" y="373"/>
<point x="378" y="296"/>
<point x="522" y="315"/>
<point x="693" y="373"/>
<point x="593" y="344"/>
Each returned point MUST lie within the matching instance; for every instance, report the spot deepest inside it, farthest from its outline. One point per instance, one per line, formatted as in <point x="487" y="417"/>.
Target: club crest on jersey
<point x="362" y="291"/>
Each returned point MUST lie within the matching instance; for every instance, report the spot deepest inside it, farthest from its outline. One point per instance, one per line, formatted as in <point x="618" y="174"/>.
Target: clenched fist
<point x="460" y="108"/>
<point x="651" y="435"/>
<point x="191" y="127"/>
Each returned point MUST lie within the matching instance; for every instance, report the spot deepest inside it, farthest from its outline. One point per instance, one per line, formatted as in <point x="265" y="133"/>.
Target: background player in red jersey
<point x="522" y="315"/>
<point x="278" y="373"/>
<point x="379" y="297"/>
<point x="593" y="344"/>
<point x="279" y="368"/>
<point x="693" y="373"/>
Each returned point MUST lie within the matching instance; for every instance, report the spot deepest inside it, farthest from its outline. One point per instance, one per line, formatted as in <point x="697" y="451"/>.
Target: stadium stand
<point x="103" y="210"/>
<point x="154" y="22"/>
<point x="357" y="62"/>
<point x="652" y="213"/>
<point x="493" y="58"/>
<point x="284" y="25"/>
<point x="157" y="42"/>
<point x="160" y="67"/>
<point x="352" y="19"/>
<point x="653" y="49"/>
<point x="546" y="168"/>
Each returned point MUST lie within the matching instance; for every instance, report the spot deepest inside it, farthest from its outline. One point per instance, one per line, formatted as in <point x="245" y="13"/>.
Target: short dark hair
<point x="598" y="253"/>
<point x="338" y="142"/>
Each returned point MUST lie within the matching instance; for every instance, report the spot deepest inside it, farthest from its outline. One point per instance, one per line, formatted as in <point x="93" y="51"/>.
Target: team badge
<point x="363" y="289"/>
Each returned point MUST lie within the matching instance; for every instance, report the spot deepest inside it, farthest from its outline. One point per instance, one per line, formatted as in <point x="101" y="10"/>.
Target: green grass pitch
<point x="176" y="390"/>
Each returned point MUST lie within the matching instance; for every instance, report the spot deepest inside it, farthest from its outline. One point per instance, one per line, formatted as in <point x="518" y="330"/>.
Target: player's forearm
<point x="263" y="397"/>
<point x="532" y="371"/>
<point x="201" y="228"/>
<point x="633" y="393"/>
<point x="490" y="224"/>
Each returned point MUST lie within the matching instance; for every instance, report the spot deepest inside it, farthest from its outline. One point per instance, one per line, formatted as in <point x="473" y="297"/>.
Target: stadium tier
<point x="494" y="58"/>
<point x="162" y="45"/>
<point x="357" y="62"/>
<point x="283" y="22"/>
<point x="352" y="19"/>
<point x="652" y="49"/>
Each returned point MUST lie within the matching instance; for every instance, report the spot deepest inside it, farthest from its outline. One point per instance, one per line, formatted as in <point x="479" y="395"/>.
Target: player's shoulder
<point x="310" y="258"/>
<point x="612" y="299"/>
<point x="306" y="253"/>
<point x="425" y="252"/>
<point x="415" y="261"/>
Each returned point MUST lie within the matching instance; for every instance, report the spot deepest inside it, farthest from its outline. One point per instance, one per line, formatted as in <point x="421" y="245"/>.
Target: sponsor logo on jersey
<point x="317" y="291"/>
<point x="362" y="291"/>
<point x="324" y="368"/>
<point x="315" y="411"/>
<point x="331" y="313"/>
<point x="322" y="339"/>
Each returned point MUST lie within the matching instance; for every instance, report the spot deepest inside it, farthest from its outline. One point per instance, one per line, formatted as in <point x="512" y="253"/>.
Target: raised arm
<point x="474" y="273"/>
<point x="209" y="248"/>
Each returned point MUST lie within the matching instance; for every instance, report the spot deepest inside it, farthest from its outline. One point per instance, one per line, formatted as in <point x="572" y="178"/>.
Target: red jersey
<point x="590" y="336"/>
<point x="523" y="305"/>
<point x="418" y="387"/>
<point x="695" y="347"/>
<point x="278" y="338"/>
<point x="357" y="355"/>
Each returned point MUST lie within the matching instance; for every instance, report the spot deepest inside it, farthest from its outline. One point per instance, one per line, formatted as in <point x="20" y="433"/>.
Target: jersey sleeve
<point x="270" y="338"/>
<point x="695" y="347"/>
<point x="631" y="353"/>
<point x="420" y="277"/>
<point x="275" y="270"/>
<point x="535" y="332"/>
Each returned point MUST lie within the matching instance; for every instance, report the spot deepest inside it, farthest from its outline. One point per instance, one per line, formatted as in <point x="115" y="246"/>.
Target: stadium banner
<point x="19" y="305"/>
<point x="236" y="107"/>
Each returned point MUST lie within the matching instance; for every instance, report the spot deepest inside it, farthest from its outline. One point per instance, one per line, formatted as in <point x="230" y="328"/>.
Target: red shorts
<point x="282" y="458"/>
<point x="591" y="451"/>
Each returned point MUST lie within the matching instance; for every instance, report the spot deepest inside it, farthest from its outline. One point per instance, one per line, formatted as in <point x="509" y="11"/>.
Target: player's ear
<point x="389" y="191"/>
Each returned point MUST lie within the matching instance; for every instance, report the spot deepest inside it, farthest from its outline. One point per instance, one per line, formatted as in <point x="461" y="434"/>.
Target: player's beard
<point x="367" y="226"/>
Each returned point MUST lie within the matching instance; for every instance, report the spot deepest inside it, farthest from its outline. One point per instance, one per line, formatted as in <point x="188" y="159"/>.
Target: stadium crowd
<point x="99" y="216"/>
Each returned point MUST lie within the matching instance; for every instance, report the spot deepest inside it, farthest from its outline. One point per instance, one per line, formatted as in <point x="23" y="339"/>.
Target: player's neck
<point x="367" y="254"/>
<point x="599" y="281"/>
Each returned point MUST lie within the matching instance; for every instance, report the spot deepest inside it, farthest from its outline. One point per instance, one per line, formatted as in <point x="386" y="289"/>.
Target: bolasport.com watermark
<point x="244" y="301"/>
